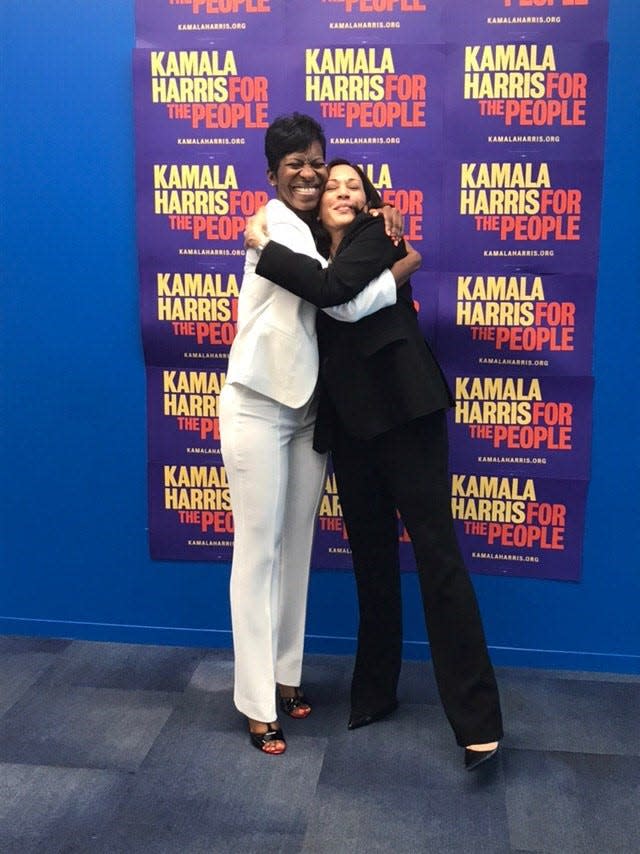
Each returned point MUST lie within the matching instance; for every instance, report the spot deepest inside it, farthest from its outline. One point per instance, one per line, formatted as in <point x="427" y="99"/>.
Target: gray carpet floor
<point x="125" y="749"/>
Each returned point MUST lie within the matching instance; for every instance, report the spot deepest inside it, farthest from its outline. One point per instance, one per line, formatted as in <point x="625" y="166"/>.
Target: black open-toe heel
<point x="262" y="740"/>
<point x="297" y="706"/>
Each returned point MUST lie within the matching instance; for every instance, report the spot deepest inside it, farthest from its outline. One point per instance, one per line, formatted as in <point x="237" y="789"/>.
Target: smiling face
<point x="300" y="177"/>
<point x="343" y="198"/>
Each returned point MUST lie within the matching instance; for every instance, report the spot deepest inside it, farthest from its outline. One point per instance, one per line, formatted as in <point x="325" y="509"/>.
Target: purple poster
<point x="496" y="20"/>
<point x="197" y="208"/>
<point x="367" y="21"/>
<point x="189" y="510"/>
<point x="540" y="98"/>
<point x="192" y="23"/>
<point x="526" y="526"/>
<point x="534" y="215"/>
<point x="527" y="322"/>
<point x="189" y="309"/>
<point x="384" y="95"/>
<point x="183" y="412"/>
<point x="207" y="98"/>
<point x="201" y="98"/>
<point x="535" y="426"/>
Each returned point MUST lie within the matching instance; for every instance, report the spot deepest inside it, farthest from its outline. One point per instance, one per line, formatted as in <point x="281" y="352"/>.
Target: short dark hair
<point x="373" y="197"/>
<point x="295" y="132"/>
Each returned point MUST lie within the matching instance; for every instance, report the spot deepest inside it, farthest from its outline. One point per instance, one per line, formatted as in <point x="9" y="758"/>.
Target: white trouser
<point x="276" y="480"/>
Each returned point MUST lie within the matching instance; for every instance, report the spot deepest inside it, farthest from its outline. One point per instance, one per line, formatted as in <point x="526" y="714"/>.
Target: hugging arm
<point x="368" y="253"/>
<point x="379" y="293"/>
<point x="372" y="299"/>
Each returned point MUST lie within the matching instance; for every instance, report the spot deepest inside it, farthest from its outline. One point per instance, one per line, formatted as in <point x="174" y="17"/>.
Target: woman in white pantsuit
<point x="267" y="414"/>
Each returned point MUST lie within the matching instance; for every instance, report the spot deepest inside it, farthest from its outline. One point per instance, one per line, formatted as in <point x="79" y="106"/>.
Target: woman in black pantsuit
<point x="406" y="468"/>
<point x="382" y="414"/>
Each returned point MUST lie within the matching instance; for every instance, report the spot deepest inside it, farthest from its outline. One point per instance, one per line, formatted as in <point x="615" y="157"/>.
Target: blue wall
<point x="74" y="548"/>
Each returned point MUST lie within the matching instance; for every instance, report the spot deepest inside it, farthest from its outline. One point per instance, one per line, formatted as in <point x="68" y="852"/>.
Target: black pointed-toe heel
<point x="262" y="739"/>
<point x="296" y="707"/>
<point x="360" y="719"/>
<point x="474" y="758"/>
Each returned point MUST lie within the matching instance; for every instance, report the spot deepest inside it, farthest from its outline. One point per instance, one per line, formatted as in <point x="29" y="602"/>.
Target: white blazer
<point x="275" y="351"/>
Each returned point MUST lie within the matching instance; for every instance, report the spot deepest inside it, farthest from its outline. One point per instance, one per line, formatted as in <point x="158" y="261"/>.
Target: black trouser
<point x="407" y="469"/>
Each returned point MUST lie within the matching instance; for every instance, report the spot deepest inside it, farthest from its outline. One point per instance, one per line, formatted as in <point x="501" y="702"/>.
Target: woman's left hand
<point x="255" y="230"/>
<point x="393" y="222"/>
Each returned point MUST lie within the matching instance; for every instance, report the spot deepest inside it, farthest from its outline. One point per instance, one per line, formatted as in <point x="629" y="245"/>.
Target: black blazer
<point x="376" y="373"/>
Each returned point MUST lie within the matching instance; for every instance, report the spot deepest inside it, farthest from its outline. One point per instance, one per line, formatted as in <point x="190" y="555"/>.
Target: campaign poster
<point x="527" y="97"/>
<point x="182" y="412"/>
<point x="519" y="525"/>
<point x="207" y="98"/>
<point x="197" y="208"/>
<point x="527" y="322"/>
<point x="528" y="425"/>
<point x="189" y="309"/>
<point x="190" y="515"/>
<point x="536" y="215"/>
<point x="496" y="20"/>
<point x="381" y="95"/>
<point x="192" y="23"/>
<point x="367" y="21"/>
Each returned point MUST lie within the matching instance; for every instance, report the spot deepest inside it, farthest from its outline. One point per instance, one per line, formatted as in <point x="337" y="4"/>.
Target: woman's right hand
<point x="256" y="233"/>
<point x="403" y="269"/>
